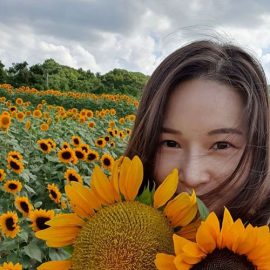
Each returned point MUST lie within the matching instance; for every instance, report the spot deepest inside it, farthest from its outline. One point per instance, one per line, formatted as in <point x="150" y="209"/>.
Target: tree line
<point x="52" y="75"/>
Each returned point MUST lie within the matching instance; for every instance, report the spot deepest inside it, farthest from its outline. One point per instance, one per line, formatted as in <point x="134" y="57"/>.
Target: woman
<point x="205" y="111"/>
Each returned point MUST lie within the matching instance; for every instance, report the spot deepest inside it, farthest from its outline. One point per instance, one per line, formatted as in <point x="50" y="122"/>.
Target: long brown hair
<point x="229" y="65"/>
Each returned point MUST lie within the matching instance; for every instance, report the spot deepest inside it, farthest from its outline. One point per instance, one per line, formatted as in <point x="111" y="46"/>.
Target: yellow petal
<point x="66" y="220"/>
<point x="102" y="186"/>
<point x="165" y="262"/>
<point x="225" y="229"/>
<point x="179" y="243"/>
<point x="180" y="264"/>
<point x="81" y="199"/>
<point x="59" y="265"/>
<point x="166" y="190"/>
<point x="123" y="174"/>
<point x="134" y="179"/>
<point x="189" y="231"/>
<point x="115" y="180"/>
<point x="181" y="210"/>
<point x="58" y="235"/>
<point x="208" y="233"/>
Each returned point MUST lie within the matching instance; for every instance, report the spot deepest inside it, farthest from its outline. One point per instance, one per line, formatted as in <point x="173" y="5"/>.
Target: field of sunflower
<point x="43" y="147"/>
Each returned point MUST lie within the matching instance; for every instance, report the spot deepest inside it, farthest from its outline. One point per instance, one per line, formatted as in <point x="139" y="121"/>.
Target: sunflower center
<point x="221" y="259"/>
<point x="91" y="156"/>
<point x="123" y="236"/>
<point x="12" y="186"/>
<point x="72" y="177"/>
<point x="66" y="155"/>
<point x="14" y="165"/>
<point x="44" y="146"/>
<point x="10" y="224"/>
<point x="53" y="193"/>
<point x="107" y="162"/>
<point x="25" y="207"/>
<point x="40" y="221"/>
<point x="79" y="154"/>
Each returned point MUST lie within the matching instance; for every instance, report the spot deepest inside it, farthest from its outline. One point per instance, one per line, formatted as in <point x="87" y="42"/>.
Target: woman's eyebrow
<point x="225" y="131"/>
<point x="212" y="132"/>
<point x="171" y="130"/>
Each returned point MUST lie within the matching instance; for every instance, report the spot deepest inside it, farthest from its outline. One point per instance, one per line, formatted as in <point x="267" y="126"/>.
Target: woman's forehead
<point x="204" y="105"/>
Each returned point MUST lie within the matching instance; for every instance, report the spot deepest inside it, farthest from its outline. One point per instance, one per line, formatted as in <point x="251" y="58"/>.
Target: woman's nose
<point x="194" y="172"/>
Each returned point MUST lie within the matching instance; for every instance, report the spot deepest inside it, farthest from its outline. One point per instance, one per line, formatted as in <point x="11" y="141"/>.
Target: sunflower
<point x="5" y="121"/>
<point x="85" y="147"/>
<point x="67" y="155"/>
<point x="79" y="153"/>
<point x="20" y="116"/>
<point x="65" y="145"/>
<point x="44" y="146"/>
<point x="122" y="121"/>
<point x="91" y="124"/>
<point x="16" y="155"/>
<point x="76" y="140"/>
<point x="112" y="112"/>
<point x="107" y="161"/>
<point x="23" y="205"/>
<point x="39" y="218"/>
<point x="11" y="266"/>
<point x="8" y="223"/>
<point x="112" y="144"/>
<point x="89" y="113"/>
<point x="37" y="113"/>
<point x="92" y="155"/>
<point x="54" y="193"/>
<point x="2" y="174"/>
<point x="12" y="186"/>
<point x="27" y="125"/>
<point x="227" y="246"/>
<point x="52" y="143"/>
<point x="13" y="108"/>
<point x="72" y="175"/>
<point x="100" y="142"/>
<point x="113" y="228"/>
<point x="19" y="101"/>
<point x="15" y="165"/>
<point x="44" y="127"/>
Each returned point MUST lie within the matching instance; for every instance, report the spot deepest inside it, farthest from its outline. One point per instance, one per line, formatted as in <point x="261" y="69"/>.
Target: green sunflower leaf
<point x="147" y="196"/>
<point x="203" y="210"/>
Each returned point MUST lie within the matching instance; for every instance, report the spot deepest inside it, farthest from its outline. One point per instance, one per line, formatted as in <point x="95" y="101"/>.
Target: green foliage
<point x="51" y="75"/>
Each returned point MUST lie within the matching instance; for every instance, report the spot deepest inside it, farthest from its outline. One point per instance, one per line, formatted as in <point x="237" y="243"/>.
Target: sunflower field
<point x="43" y="146"/>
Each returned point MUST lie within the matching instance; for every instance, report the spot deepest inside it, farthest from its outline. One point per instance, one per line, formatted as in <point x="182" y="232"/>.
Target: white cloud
<point x="100" y="36"/>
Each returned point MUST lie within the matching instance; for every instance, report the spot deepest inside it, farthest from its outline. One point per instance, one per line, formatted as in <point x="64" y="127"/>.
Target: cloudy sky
<point x="132" y="34"/>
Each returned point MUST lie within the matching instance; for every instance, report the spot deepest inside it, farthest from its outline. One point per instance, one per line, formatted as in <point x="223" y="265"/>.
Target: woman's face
<point x="203" y="136"/>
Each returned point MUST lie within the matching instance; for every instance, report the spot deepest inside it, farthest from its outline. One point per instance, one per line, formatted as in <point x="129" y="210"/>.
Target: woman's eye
<point x="221" y="145"/>
<point x="169" y="143"/>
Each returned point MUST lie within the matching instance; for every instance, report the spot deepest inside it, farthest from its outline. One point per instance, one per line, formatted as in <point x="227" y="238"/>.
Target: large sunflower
<point x="114" y="228"/>
<point x="231" y="246"/>
<point x="8" y="224"/>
